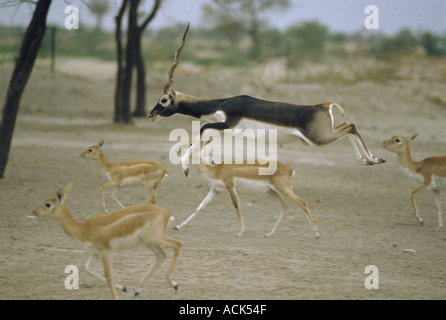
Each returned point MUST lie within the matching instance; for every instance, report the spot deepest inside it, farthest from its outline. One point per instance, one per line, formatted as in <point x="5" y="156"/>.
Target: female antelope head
<point x="52" y="208"/>
<point x="166" y="105"/>
<point x="93" y="151"/>
<point x="397" y="144"/>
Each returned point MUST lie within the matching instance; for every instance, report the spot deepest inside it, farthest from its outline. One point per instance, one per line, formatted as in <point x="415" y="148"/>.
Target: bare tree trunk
<point x="20" y="76"/>
<point x="140" y="110"/>
<point x="129" y="60"/>
<point x="133" y="59"/>
<point x="120" y="58"/>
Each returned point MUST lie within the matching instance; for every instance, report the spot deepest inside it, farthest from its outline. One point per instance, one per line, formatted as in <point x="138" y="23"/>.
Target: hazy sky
<point x="338" y="15"/>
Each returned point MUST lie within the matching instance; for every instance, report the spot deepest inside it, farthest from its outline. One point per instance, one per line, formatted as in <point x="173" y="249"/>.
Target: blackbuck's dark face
<point x="166" y="106"/>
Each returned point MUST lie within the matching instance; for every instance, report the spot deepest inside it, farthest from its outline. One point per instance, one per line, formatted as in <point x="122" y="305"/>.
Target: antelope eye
<point x="47" y="204"/>
<point x="164" y="100"/>
<point x="90" y="150"/>
<point x="397" y="140"/>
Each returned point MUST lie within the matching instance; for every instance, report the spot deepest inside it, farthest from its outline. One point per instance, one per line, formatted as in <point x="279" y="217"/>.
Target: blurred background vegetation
<point x="306" y="52"/>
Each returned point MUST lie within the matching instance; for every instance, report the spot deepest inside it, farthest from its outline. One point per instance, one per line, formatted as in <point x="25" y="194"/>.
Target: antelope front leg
<point x="114" y="196"/>
<point x="202" y="205"/>
<point x="185" y="159"/>
<point x="106" y="185"/>
<point x="357" y="140"/>
<point x="89" y="267"/>
<point x="412" y="199"/>
<point x="358" y="155"/>
<point x="101" y="191"/>
<point x="105" y="257"/>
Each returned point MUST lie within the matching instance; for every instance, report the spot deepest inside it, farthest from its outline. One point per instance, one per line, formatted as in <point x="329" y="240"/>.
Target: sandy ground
<point x="363" y="213"/>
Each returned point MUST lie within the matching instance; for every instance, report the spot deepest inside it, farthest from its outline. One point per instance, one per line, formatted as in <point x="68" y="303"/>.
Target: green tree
<point x="432" y="44"/>
<point x="308" y="39"/>
<point x="388" y="47"/>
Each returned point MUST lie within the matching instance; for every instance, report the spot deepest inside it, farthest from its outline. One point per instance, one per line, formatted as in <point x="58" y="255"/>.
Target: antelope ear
<point x="63" y="193"/>
<point x="173" y="92"/>
<point x="101" y="142"/>
<point x="412" y="138"/>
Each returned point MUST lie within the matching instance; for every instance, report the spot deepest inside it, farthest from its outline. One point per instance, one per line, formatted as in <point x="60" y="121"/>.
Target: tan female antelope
<point x="149" y="174"/>
<point x="430" y="172"/>
<point x="246" y="178"/>
<point x="143" y="224"/>
<point x="313" y="124"/>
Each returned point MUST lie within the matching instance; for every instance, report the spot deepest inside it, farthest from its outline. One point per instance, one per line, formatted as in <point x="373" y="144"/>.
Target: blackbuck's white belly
<point x="120" y="243"/>
<point x="129" y="241"/>
<point x="87" y="246"/>
<point x="132" y="181"/>
<point x="438" y="183"/>
<point x="244" y="186"/>
<point x="270" y="133"/>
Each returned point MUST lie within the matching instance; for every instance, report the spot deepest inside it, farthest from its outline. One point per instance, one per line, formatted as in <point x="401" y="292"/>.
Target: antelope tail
<point x="341" y="111"/>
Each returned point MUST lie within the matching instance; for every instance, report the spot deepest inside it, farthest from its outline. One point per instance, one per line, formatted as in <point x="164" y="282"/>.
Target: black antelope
<point x="147" y="173"/>
<point x="313" y="124"/>
<point x="143" y="224"/>
<point x="429" y="173"/>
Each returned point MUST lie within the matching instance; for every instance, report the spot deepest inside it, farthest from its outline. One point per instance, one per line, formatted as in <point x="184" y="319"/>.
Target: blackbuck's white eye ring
<point x="164" y="101"/>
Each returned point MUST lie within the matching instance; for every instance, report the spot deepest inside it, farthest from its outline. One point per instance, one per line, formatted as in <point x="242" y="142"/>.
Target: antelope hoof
<point x="376" y="161"/>
<point x="186" y="172"/>
<point x="421" y="222"/>
<point x="176" y="228"/>
<point x="269" y="235"/>
<point x="316" y="234"/>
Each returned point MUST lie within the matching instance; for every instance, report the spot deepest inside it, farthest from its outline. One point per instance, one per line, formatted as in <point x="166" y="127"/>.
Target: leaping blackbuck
<point x="149" y="174"/>
<point x="143" y="224"/>
<point x="245" y="178"/>
<point x="429" y="173"/>
<point x="313" y="124"/>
